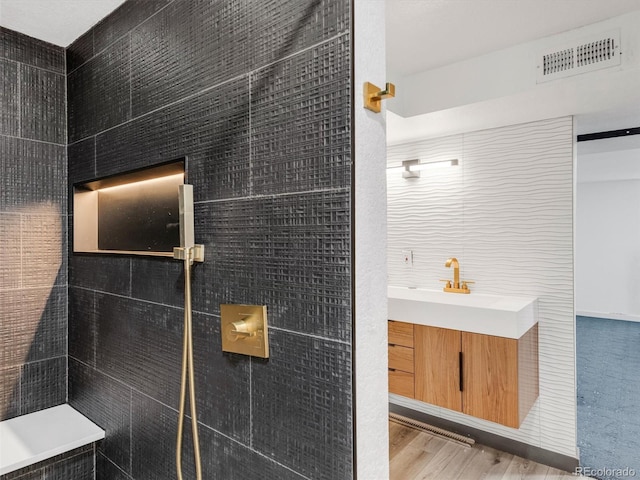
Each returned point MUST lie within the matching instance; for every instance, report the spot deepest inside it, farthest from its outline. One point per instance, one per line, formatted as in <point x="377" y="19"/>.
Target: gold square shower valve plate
<point x="244" y="329"/>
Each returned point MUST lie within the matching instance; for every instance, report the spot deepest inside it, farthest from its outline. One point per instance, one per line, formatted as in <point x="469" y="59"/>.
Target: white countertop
<point x="31" y="438"/>
<point x="501" y="316"/>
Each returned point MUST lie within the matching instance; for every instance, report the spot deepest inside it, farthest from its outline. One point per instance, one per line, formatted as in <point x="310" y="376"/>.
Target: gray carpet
<point x="608" y="367"/>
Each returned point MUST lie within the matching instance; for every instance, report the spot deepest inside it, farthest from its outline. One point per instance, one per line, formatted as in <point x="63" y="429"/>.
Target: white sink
<point x="502" y="316"/>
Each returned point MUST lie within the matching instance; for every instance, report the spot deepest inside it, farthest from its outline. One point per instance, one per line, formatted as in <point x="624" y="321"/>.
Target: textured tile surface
<point x="43" y="237"/>
<point x="282" y="27"/>
<point x="153" y="436"/>
<point x="34" y="325"/>
<point x="159" y="280"/>
<point x="42" y="105"/>
<point x="9" y="392"/>
<point x="268" y="152"/>
<point x="299" y="250"/>
<point x="43" y="384"/>
<point x="10" y="254"/>
<point x="101" y="96"/>
<point x="82" y="325"/>
<point x="15" y="334"/>
<point x="28" y="50"/>
<point x="126" y="17"/>
<point x="47" y="307"/>
<point x="34" y="176"/>
<point x="107" y="470"/>
<point x="178" y="52"/>
<point x="58" y="467"/>
<point x="33" y="298"/>
<point x="107" y="403"/>
<point x="300" y="118"/>
<point x="9" y="98"/>
<point x="76" y="467"/>
<point x="222" y="381"/>
<point x="104" y="273"/>
<point x="302" y="409"/>
<point x="153" y="439"/>
<point x="140" y="343"/>
<point x="214" y="123"/>
<point x="80" y="51"/>
<point x="82" y="161"/>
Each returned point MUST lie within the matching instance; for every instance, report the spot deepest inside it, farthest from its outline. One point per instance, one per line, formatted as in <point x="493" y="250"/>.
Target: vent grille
<point x="558" y="61"/>
<point x="579" y="58"/>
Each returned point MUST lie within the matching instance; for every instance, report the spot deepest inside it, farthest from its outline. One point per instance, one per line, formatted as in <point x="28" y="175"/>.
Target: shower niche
<point x="134" y="213"/>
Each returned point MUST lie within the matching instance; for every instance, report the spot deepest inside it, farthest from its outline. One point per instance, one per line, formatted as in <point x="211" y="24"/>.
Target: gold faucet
<point x="456" y="287"/>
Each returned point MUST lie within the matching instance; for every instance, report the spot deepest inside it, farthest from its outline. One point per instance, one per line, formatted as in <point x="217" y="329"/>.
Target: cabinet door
<point x="490" y="372"/>
<point x="437" y="368"/>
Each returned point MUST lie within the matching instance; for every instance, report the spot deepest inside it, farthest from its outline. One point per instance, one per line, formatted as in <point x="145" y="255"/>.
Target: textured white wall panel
<point x="507" y="214"/>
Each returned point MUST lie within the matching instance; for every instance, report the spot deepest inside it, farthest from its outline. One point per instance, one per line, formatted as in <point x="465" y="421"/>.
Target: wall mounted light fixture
<point x="412" y="168"/>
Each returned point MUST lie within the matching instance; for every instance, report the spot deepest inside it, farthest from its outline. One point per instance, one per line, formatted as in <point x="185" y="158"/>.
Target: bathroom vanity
<point x="475" y="354"/>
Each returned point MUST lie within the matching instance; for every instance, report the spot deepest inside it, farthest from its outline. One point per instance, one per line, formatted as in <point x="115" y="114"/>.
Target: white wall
<point x="369" y="243"/>
<point x="507" y="214"/>
<point x="608" y="235"/>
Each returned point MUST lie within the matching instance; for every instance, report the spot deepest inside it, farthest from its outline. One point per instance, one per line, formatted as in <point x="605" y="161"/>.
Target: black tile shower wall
<point x="33" y="225"/>
<point x="77" y="464"/>
<point x="96" y="106"/>
<point x="257" y="96"/>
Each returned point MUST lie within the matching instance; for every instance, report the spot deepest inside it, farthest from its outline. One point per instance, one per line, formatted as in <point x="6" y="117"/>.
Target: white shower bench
<point x="38" y="436"/>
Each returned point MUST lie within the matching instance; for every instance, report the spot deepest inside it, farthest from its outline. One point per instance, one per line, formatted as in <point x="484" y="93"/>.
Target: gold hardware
<point x="448" y="283"/>
<point x="456" y="287"/>
<point x="373" y="96"/>
<point x="244" y="329"/>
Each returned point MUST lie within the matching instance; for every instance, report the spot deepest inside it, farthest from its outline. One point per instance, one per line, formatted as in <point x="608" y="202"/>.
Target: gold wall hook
<point x="373" y="96"/>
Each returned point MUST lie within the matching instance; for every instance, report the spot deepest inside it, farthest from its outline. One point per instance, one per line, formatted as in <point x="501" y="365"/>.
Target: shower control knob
<point x="244" y="329"/>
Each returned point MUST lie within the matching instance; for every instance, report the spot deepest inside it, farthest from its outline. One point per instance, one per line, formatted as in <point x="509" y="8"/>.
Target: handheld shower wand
<point x="188" y="252"/>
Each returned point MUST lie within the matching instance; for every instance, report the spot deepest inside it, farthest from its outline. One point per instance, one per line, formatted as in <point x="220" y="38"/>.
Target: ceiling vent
<point x="580" y="57"/>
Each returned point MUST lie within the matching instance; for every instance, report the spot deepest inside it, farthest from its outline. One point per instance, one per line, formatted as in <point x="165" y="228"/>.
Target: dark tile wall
<point x="33" y="225"/>
<point x="257" y="96"/>
<point x="76" y="464"/>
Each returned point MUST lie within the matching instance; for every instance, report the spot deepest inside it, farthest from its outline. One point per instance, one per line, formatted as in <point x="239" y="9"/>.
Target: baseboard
<point x="608" y="316"/>
<point x="537" y="454"/>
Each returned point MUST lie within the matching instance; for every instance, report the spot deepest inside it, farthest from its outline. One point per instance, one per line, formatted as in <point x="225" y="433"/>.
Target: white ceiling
<point x="420" y="34"/>
<point x="55" y="21"/>
<point x="426" y="34"/>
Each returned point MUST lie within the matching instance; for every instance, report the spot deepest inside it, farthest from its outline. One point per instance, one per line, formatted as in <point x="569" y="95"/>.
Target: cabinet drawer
<point x="400" y="333"/>
<point x="401" y="383"/>
<point x="401" y="358"/>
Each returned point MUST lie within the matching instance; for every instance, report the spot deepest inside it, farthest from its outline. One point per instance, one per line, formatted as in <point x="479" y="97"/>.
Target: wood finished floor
<point x="418" y="455"/>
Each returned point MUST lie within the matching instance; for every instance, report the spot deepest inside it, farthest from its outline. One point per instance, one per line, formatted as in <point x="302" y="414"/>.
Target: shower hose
<point x="187" y="368"/>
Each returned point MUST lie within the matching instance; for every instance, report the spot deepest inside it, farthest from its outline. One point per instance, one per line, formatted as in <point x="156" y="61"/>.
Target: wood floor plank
<point x="399" y="438"/>
<point x="411" y="461"/>
<point x="521" y="468"/>
<point x="488" y="463"/>
<point x="416" y="455"/>
<point x="448" y="463"/>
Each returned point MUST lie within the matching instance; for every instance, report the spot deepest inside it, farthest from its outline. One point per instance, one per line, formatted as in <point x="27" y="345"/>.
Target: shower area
<point x="256" y="98"/>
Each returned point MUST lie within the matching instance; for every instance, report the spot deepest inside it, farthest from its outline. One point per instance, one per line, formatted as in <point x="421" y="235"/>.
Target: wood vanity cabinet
<point x="485" y="376"/>
<point x="437" y="366"/>
<point x="401" y="358"/>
